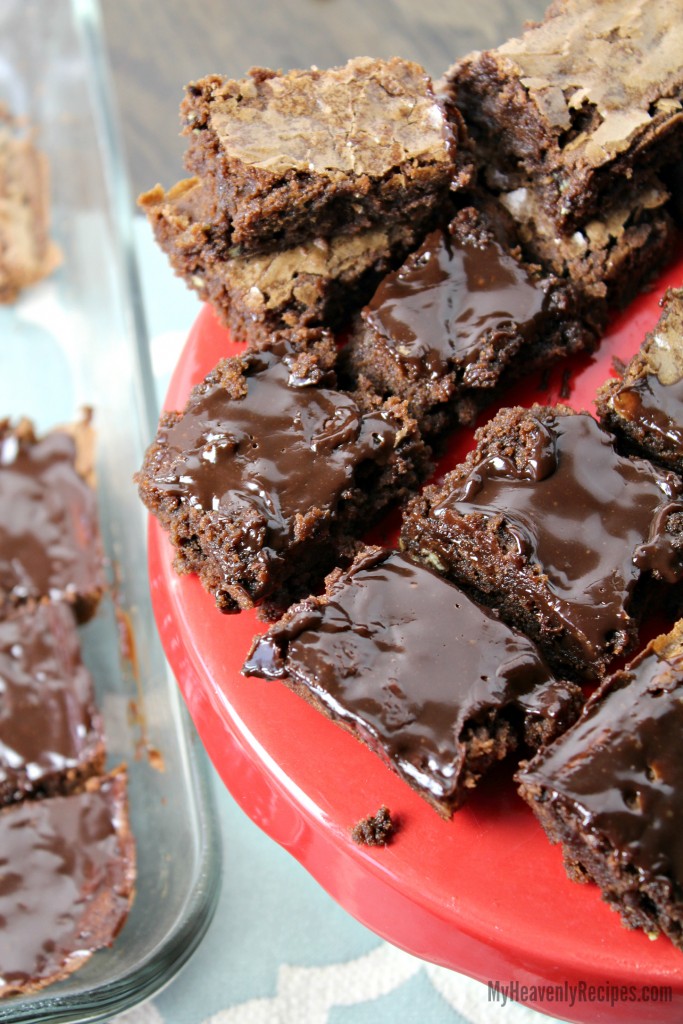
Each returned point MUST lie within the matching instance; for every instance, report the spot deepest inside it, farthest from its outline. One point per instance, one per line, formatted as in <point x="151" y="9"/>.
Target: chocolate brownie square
<point x="270" y="471"/>
<point x="311" y="153"/>
<point x="585" y="102"/>
<point x="462" y="313"/>
<point x="609" y="790"/>
<point x="644" y="406"/>
<point x="377" y="653"/>
<point x="51" y="736"/>
<point x="68" y="869"/>
<point x="50" y="546"/>
<point x="317" y="282"/>
<point x="546" y="521"/>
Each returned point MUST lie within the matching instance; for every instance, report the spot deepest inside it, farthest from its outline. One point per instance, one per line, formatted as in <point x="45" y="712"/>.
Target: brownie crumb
<point x="376" y="830"/>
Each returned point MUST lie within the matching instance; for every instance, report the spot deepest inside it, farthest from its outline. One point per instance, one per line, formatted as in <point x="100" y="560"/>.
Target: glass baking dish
<point x="77" y="339"/>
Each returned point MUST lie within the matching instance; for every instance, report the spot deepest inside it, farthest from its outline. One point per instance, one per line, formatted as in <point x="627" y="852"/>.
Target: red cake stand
<point x="485" y="893"/>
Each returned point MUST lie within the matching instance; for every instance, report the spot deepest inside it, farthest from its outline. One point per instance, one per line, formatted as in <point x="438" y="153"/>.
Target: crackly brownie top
<point x="581" y="521"/>
<point x="48" y="721"/>
<point x="269" y="453"/>
<point x="66" y="865"/>
<point x="562" y="63"/>
<point x="450" y="297"/>
<point x="651" y="395"/>
<point x="49" y="540"/>
<point x="366" y="118"/>
<point x="379" y="652"/>
<point x="620" y="764"/>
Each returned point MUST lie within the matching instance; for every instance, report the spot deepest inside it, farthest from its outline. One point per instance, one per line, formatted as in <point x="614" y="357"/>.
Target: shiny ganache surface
<point x="49" y="541"/>
<point x="449" y="298"/>
<point x="65" y="882"/>
<point x="283" y="448"/>
<point x="591" y="520"/>
<point x="620" y="768"/>
<point x="381" y="654"/>
<point x="48" y="722"/>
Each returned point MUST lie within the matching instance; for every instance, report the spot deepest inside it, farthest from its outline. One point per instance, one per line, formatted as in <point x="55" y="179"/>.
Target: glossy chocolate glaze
<point x="655" y="407"/>
<point x="279" y="451"/>
<point x="591" y="519"/>
<point x="48" y="722"/>
<point x="65" y="882"/>
<point x="408" y="661"/>
<point x="438" y="308"/>
<point x="620" y="766"/>
<point x="49" y="544"/>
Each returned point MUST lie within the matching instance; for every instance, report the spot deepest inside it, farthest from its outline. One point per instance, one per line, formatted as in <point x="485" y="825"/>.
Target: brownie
<point x="26" y="252"/>
<point x="644" y="406"/>
<point x="461" y="314"/>
<point x="377" y="654"/>
<point x="270" y="471"/>
<point x="581" y="105"/>
<point x="51" y="735"/>
<point x="566" y="537"/>
<point x="317" y="282"/>
<point x="67" y="865"/>
<point x="312" y="153"/>
<point x="609" y="790"/>
<point x="376" y="829"/>
<point x="50" y="546"/>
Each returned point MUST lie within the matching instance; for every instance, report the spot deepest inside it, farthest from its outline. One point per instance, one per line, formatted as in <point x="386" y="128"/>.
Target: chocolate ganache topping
<point x="437" y="310"/>
<point x="48" y="721"/>
<point x="588" y="518"/>
<point x="65" y="882"/>
<point x="48" y="520"/>
<point x="620" y="764"/>
<point x="283" y="448"/>
<point x="386" y="628"/>
<point x="656" y="405"/>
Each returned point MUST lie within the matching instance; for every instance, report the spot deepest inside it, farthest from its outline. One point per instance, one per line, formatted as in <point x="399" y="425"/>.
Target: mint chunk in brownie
<point x="51" y="736"/>
<point x="644" y="407"/>
<point x="462" y="313"/>
<point x="68" y="875"/>
<point x="50" y="546"/>
<point x="317" y="282"/>
<point x="310" y="153"/>
<point x="546" y="521"/>
<point x="609" y="790"/>
<point x="433" y="682"/>
<point x="270" y="471"/>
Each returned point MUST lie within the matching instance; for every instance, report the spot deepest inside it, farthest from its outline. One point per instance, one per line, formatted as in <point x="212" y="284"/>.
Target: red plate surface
<point x="484" y="893"/>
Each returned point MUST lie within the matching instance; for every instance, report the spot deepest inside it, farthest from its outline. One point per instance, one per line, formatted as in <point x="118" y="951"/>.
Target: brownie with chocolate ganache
<point x="50" y="545"/>
<point x="644" y="407"/>
<point x="546" y="521"/>
<point x="313" y="283"/>
<point x="68" y="870"/>
<point x="377" y="653"/>
<point x="51" y="734"/>
<point x="610" y="789"/>
<point x="271" y="471"/>
<point x="314" y="153"/>
<point x="583" y="104"/>
<point x="463" y="313"/>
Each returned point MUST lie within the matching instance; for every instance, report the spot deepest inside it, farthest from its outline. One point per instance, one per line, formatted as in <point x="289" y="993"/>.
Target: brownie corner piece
<point x="271" y="470"/>
<point x="609" y="790"/>
<point x="644" y="406"/>
<point x="375" y="654"/>
<point x="546" y="521"/>
<point x="307" y="153"/>
<point x="50" y="544"/>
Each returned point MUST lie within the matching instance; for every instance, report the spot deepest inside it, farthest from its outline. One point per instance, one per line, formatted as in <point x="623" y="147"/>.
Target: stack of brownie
<point x="68" y="859"/>
<point x="530" y="566"/>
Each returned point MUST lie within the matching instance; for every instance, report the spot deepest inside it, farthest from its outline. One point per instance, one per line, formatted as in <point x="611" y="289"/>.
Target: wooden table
<point x="157" y="46"/>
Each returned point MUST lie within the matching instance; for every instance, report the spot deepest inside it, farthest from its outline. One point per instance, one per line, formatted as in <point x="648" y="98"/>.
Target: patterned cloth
<point x="280" y="950"/>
